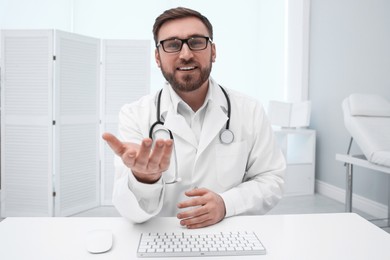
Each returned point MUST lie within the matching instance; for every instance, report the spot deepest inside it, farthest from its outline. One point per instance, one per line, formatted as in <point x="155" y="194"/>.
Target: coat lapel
<point x="178" y="125"/>
<point x="174" y="122"/>
<point x="215" y="119"/>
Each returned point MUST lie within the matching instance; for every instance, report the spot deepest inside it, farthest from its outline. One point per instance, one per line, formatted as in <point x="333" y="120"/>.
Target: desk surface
<point x="309" y="236"/>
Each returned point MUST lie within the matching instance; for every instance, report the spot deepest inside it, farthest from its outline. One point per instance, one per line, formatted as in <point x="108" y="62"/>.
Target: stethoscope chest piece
<point x="226" y="136"/>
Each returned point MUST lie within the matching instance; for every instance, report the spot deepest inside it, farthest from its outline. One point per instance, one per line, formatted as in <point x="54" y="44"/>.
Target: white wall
<point x="349" y="53"/>
<point x="37" y="14"/>
<point x="249" y="35"/>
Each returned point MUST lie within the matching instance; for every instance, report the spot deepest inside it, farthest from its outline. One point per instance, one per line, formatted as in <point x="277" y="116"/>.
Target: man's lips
<point x="186" y="68"/>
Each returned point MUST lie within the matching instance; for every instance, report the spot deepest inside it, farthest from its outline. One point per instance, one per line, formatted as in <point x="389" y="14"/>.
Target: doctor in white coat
<point x="211" y="154"/>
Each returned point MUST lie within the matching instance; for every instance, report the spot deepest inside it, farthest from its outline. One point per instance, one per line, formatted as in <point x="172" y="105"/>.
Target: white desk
<point x="310" y="236"/>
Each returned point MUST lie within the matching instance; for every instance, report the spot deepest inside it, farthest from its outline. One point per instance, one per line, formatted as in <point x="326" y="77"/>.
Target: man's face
<point x="185" y="70"/>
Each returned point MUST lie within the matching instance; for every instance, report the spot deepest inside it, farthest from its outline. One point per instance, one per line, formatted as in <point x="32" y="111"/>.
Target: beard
<point x="187" y="83"/>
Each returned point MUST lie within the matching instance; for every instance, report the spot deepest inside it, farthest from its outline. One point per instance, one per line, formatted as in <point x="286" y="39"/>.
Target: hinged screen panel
<point x="26" y="122"/>
<point x="77" y="69"/>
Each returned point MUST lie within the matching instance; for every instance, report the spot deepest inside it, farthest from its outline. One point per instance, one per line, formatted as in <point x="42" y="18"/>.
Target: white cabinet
<point x="298" y="147"/>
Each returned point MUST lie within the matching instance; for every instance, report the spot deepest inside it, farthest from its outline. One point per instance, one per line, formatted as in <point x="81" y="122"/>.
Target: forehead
<point x="182" y="28"/>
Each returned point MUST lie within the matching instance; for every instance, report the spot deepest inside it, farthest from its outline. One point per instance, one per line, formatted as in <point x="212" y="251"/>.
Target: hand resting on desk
<point x="209" y="209"/>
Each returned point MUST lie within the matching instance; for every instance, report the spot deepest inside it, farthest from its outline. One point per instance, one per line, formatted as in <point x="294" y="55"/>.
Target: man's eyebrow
<point x="189" y="36"/>
<point x="198" y="35"/>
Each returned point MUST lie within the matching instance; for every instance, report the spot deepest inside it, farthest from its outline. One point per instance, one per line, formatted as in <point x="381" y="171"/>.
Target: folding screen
<point x="50" y="123"/>
<point x="59" y="92"/>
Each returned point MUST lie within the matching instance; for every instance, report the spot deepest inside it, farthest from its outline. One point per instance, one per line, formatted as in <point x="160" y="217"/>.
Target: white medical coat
<point x="247" y="174"/>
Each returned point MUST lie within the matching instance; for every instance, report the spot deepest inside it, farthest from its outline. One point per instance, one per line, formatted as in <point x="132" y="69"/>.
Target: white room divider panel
<point x="26" y="123"/>
<point x="125" y="78"/>
<point x="50" y="123"/>
<point x="54" y="162"/>
<point x="76" y="106"/>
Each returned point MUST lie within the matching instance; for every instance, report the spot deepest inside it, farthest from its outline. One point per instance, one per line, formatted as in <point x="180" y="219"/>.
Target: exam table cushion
<point x="368" y="105"/>
<point x="367" y="118"/>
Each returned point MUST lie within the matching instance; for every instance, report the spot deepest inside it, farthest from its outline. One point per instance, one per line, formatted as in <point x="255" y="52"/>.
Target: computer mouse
<point x="99" y="241"/>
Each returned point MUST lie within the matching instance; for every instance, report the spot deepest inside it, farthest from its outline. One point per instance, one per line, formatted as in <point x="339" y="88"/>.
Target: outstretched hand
<point x="208" y="208"/>
<point x="147" y="164"/>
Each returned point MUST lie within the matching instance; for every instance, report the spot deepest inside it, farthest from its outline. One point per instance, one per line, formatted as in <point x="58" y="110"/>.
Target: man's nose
<point x="185" y="52"/>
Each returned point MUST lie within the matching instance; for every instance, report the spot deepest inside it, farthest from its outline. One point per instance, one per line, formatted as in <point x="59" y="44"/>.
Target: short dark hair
<point x="177" y="13"/>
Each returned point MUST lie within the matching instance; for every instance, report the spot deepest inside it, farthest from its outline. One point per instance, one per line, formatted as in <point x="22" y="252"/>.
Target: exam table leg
<point x="348" y="191"/>
<point x="388" y="202"/>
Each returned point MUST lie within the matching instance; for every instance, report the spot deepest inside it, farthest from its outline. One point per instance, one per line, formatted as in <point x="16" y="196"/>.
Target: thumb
<point x="116" y="145"/>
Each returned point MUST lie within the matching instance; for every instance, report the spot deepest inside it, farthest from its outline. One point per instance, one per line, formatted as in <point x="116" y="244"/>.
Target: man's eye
<point x="172" y="44"/>
<point x="197" y="43"/>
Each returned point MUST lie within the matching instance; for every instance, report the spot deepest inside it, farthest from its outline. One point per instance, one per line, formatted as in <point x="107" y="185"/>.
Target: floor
<point x="288" y="205"/>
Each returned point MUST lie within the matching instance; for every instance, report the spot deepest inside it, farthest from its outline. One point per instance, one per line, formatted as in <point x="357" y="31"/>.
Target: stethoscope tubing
<point x="159" y="122"/>
<point x="226" y="136"/>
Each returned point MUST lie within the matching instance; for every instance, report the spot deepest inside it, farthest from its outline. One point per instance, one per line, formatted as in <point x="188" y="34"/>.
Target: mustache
<point x="183" y="62"/>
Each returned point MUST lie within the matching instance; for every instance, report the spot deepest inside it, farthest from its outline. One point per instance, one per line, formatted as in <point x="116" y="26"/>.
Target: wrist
<point x="146" y="178"/>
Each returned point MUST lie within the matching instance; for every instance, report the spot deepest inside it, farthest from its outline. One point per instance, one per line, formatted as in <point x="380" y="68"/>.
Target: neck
<point x="195" y="98"/>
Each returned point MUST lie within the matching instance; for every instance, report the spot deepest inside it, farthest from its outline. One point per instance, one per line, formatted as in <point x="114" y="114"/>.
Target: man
<point x="221" y="160"/>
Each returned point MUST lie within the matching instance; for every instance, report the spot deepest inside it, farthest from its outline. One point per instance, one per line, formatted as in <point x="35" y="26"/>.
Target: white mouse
<point x="99" y="241"/>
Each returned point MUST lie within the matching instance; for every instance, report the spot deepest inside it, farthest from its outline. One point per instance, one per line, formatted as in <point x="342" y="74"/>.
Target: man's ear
<point x="213" y="52"/>
<point x="157" y="58"/>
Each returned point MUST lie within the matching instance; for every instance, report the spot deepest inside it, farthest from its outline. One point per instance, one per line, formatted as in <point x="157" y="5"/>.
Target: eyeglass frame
<point x="161" y="43"/>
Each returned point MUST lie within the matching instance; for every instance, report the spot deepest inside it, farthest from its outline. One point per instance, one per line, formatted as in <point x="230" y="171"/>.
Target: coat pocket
<point x="231" y="162"/>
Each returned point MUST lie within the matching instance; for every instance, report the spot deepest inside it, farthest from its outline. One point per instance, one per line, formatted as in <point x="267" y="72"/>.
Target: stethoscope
<point x="226" y="136"/>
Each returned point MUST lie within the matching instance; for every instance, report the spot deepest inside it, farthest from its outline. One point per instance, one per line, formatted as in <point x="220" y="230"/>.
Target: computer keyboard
<point x="206" y="244"/>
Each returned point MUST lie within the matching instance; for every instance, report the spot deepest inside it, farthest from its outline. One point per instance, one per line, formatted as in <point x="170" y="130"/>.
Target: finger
<point x="197" y="201"/>
<point x="128" y="158"/>
<point x="195" y="220"/>
<point x="166" y="156"/>
<point x="191" y="213"/>
<point x="142" y="159"/>
<point x="155" y="157"/>
<point x="116" y="145"/>
<point x="196" y="192"/>
<point x="202" y="224"/>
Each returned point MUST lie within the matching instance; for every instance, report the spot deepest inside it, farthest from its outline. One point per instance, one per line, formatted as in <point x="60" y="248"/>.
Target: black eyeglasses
<point x="196" y="43"/>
